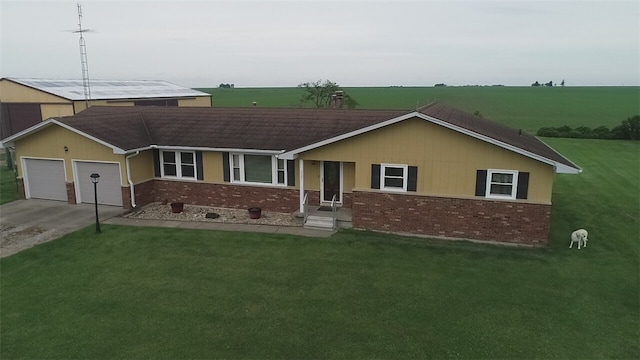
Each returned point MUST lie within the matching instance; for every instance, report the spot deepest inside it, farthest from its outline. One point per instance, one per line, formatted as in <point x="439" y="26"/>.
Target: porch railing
<point x="305" y="206"/>
<point x="334" y="212"/>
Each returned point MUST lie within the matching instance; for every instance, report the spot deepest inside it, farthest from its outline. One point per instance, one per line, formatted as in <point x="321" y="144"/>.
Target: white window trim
<point x="274" y="170"/>
<point x="405" y="177"/>
<point x="514" y="185"/>
<point x="179" y="165"/>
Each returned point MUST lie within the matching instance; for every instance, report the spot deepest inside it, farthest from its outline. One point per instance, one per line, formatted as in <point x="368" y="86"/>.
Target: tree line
<point x="628" y="130"/>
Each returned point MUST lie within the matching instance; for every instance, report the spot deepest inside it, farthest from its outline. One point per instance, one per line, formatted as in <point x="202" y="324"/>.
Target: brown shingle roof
<point x="271" y="129"/>
<point x="232" y="128"/>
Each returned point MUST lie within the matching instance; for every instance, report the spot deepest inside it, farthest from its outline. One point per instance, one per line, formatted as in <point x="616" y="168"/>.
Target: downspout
<point x="131" y="188"/>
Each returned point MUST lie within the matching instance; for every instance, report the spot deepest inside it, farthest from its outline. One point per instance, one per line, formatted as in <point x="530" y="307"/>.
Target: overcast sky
<point x="354" y="43"/>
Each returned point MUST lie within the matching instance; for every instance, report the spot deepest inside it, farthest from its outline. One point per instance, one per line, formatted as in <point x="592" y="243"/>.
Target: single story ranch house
<point x="435" y="171"/>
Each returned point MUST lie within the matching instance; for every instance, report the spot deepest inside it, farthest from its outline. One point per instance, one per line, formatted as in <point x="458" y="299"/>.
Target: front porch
<point x="319" y="215"/>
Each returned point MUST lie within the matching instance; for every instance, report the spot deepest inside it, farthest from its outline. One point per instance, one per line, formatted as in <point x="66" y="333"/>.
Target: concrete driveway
<point x="27" y="223"/>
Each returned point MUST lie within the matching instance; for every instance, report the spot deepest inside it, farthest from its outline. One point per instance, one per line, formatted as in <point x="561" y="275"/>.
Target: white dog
<point x="579" y="236"/>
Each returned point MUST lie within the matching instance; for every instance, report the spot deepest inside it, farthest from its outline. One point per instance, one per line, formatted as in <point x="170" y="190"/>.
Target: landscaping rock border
<point x="157" y="211"/>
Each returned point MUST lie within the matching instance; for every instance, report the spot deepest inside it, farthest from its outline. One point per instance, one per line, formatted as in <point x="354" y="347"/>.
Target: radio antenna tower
<point x="83" y="59"/>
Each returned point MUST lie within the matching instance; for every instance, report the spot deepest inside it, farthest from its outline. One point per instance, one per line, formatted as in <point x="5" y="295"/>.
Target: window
<point x="282" y="171"/>
<point x="393" y="177"/>
<point x="502" y="184"/>
<point x="178" y="164"/>
<point x="258" y="169"/>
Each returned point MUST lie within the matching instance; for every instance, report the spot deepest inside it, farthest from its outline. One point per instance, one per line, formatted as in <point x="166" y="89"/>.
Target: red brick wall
<point x="219" y="195"/>
<point x="71" y="193"/>
<point x="488" y="220"/>
<point x="145" y="193"/>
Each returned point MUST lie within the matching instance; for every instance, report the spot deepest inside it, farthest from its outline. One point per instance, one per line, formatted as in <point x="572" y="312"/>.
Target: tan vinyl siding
<point x="349" y="176"/>
<point x="447" y="160"/>
<point x="311" y="175"/>
<point x="50" y="143"/>
<point x="142" y="167"/>
<point x="201" y="101"/>
<point x="212" y="166"/>
<point x="11" y="92"/>
<point x="55" y="110"/>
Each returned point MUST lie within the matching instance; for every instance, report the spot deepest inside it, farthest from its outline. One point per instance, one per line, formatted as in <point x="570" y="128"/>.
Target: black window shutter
<point x="225" y="167"/>
<point x="199" y="165"/>
<point x="291" y="173"/>
<point x="412" y="178"/>
<point x="156" y="162"/>
<point x="481" y="182"/>
<point x="375" y="176"/>
<point x="523" y="185"/>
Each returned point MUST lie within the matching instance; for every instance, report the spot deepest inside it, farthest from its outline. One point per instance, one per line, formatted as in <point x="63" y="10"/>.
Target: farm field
<point x="175" y="293"/>
<point x="529" y="108"/>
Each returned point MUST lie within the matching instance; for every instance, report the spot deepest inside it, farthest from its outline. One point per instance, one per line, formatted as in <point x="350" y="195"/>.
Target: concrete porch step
<point x="319" y="222"/>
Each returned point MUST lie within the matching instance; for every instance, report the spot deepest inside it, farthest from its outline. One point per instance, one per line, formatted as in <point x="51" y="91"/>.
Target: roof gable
<point x="53" y="122"/>
<point x="474" y="126"/>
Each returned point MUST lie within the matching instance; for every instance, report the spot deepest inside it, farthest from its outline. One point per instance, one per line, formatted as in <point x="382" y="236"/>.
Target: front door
<point x="331" y="181"/>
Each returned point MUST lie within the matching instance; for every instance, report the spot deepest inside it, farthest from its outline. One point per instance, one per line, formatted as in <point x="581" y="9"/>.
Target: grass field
<point x="174" y="293"/>
<point x="8" y="189"/>
<point x="528" y="108"/>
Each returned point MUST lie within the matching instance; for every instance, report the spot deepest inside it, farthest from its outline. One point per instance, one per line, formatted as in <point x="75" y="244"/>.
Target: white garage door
<point x="45" y="179"/>
<point x="109" y="188"/>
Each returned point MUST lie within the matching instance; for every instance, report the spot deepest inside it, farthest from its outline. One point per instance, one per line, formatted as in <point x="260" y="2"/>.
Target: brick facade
<point x="235" y="196"/>
<point x="71" y="193"/>
<point x="477" y="219"/>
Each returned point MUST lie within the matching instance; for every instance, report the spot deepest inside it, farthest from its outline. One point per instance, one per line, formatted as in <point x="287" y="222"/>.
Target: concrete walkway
<point x="202" y="225"/>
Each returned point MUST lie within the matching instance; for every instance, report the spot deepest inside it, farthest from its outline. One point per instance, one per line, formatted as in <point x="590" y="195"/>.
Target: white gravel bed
<point x="158" y="211"/>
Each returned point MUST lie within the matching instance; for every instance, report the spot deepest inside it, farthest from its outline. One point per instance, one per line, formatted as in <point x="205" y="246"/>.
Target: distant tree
<point x="440" y="85"/>
<point x="535" y="84"/>
<point x="550" y="83"/>
<point x="226" y="86"/>
<point x="628" y="130"/>
<point x="601" y="132"/>
<point x="562" y="83"/>
<point x="321" y="93"/>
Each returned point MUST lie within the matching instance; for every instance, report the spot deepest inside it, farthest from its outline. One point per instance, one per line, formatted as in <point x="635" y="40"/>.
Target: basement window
<point x="178" y="164"/>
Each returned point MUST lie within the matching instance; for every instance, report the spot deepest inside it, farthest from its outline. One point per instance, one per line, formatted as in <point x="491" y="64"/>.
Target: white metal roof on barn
<point x="110" y="89"/>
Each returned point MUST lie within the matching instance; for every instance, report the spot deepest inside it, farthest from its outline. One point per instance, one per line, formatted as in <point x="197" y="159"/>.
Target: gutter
<point x="131" y="187"/>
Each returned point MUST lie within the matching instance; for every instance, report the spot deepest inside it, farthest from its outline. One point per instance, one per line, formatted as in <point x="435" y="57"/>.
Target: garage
<point x="45" y="179"/>
<point x="109" y="185"/>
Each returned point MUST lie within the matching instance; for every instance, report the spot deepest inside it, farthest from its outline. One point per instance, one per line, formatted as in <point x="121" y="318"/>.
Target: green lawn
<point x="8" y="188"/>
<point x="171" y="293"/>
<point x="528" y="108"/>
